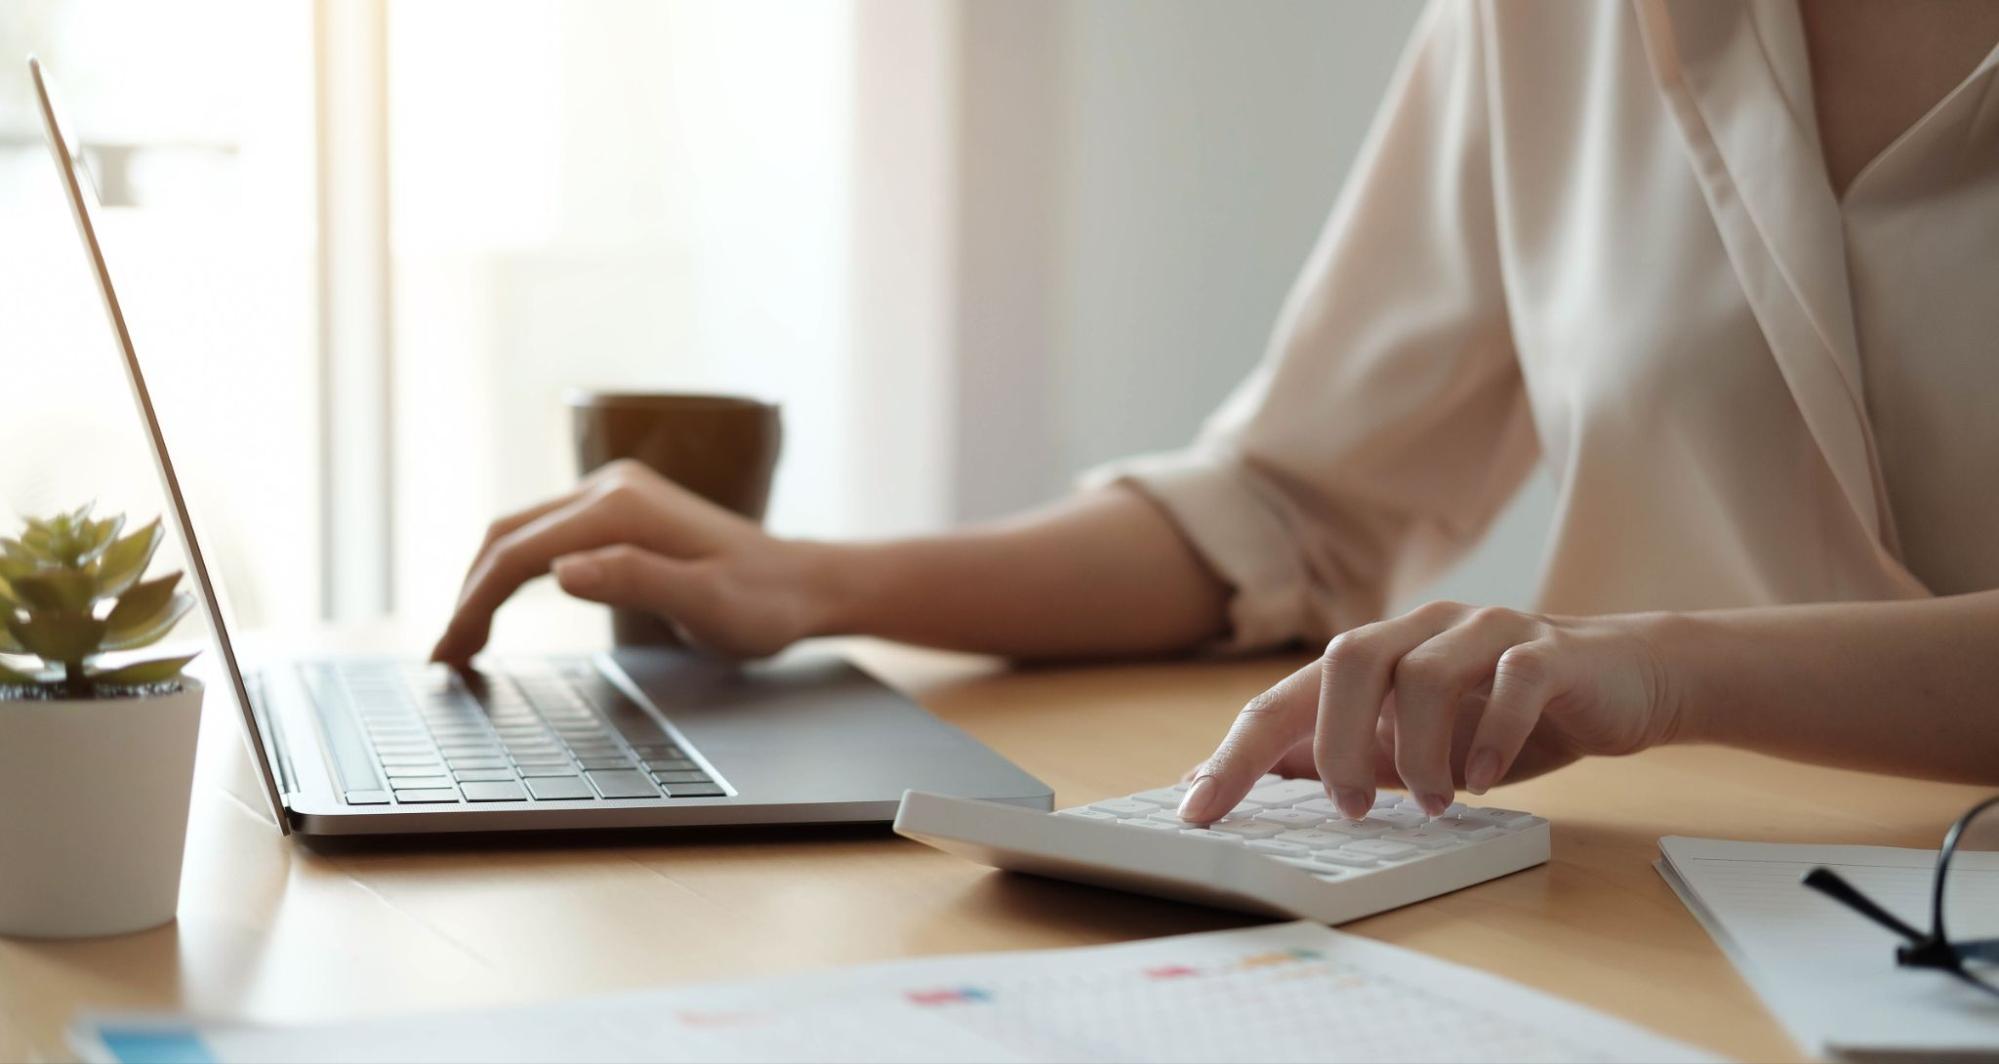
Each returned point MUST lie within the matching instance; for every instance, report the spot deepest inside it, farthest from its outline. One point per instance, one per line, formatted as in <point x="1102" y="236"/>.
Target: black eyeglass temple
<point x="1832" y="885"/>
<point x="1983" y="949"/>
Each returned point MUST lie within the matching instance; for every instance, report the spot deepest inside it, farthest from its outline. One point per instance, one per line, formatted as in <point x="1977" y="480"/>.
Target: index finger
<point x="520" y="556"/>
<point x="1270" y="725"/>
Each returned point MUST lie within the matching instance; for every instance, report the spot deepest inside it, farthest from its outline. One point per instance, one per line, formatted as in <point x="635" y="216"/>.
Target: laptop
<point x="622" y="739"/>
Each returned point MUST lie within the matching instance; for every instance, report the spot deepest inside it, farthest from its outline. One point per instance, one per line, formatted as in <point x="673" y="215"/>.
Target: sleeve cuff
<point x="1234" y="527"/>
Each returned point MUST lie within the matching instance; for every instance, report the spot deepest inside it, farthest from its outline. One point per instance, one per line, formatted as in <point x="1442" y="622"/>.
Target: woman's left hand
<point x="1447" y="695"/>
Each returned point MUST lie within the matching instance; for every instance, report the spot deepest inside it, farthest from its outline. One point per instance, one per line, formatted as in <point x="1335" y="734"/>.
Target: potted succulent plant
<point x="96" y="743"/>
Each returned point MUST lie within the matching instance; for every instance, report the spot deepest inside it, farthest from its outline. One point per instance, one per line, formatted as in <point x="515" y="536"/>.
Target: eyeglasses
<point x="1968" y="901"/>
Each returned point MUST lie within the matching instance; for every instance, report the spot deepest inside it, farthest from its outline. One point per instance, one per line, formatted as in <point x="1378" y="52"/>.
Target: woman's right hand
<point x="628" y="537"/>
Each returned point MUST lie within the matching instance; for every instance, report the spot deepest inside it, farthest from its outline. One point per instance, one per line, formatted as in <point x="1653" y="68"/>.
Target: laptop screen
<point x="81" y="196"/>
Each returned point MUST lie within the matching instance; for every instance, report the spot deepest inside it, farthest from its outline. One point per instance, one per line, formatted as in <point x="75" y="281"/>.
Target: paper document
<point x="1826" y="971"/>
<point x="1294" y="991"/>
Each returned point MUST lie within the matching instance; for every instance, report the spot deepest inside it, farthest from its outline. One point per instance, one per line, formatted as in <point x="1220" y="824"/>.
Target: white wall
<point x="1140" y="182"/>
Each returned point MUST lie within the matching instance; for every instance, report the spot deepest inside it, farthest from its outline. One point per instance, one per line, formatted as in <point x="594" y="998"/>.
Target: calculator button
<point x="1149" y="825"/>
<point x="1315" y="837"/>
<point x="1294" y="818"/>
<point x="1212" y="836"/>
<point x="1164" y="796"/>
<point x="1468" y="830"/>
<point x="1425" y="838"/>
<point x="1124" y="807"/>
<point x="1086" y="814"/>
<point x="1285" y="792"/>
<point x="1276" y="846"/>
<point x="1249" y="829"/>
<point x="1380" y="848"/>
<point x="1344" y="859"/>
<point x="1503" y="818"/>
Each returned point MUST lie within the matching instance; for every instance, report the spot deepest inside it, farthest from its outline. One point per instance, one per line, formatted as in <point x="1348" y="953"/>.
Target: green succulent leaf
<point x="100" y="534"/>
<point x="58" y="589"/>
<point x="143" y="603"/>
<point x="151" y="630"/>
<point x="34" y="543"/>
<point x="16" y="560"/>
<point x="157" y="671"/>
<point x="125" y="560"/>
<point x="9" y="674"/>
<point x="58" y="636"/>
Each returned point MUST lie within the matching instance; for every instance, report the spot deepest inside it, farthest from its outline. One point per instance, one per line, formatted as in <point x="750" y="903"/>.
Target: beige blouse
<point x="1601" y="236"/>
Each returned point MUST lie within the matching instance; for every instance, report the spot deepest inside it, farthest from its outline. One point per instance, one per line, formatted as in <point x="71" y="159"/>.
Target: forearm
<point x="1098" y="575"/>
<point x="1902" y="687"/>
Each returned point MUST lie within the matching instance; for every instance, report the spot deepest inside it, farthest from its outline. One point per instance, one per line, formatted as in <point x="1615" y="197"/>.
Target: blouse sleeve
<point x="1387" y="424"/>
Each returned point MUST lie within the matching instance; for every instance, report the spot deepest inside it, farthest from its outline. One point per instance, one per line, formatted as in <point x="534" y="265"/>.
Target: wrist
<point x="836" y="581"/>
<point x="1681" y="650"/>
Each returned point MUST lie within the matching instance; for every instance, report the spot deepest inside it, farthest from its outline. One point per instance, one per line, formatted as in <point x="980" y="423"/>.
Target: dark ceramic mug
<point x="722" y="448"/>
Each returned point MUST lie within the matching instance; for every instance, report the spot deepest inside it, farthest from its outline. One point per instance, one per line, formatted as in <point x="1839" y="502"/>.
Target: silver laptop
<point x="629" y="738"/>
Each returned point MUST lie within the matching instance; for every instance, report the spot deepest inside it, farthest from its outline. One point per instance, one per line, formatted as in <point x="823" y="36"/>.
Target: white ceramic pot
<point x="93" y="812"/>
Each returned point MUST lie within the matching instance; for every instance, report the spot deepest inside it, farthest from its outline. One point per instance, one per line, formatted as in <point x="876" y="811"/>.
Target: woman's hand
<point x="628" y="537"/>
<point x="1447" y="694"/>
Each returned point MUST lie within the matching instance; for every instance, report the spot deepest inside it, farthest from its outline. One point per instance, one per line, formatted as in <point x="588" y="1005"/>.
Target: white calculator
<point x="1285" y="851"/>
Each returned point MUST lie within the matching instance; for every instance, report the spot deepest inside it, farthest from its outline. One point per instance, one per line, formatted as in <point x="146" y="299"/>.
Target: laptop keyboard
<point x="406" y="734"/>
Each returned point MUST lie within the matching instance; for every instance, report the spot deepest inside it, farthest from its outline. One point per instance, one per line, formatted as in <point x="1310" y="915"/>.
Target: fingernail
<point x="1482" y="771"/>
<point x="1353" y="801"/>
<point x="1434" y="804"/>
<point x="1195" y="802"/>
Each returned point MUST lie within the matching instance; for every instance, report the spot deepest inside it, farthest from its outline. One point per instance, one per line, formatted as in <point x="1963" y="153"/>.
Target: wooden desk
<point x="276" y="930"/>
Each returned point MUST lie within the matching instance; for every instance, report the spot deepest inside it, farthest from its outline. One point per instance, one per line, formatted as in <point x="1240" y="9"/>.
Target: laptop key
<point x="595" y="763"/>
<point x="565" y="788"/>
<point x="403" y="772"/>
<point x="496" y="791"/>
<point x="367" y="797"/>
<point x="547" y="771"/>
<point x="681" y="777"/>
<point x="694" y="790"/>
<point x="671" y="764"/>
<point x="427" y="797"/>
<point x="485" y="775"/>
<point x="623" y="784"/>
<point x="418" y="783"/>
<point x="478" y="762"/>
